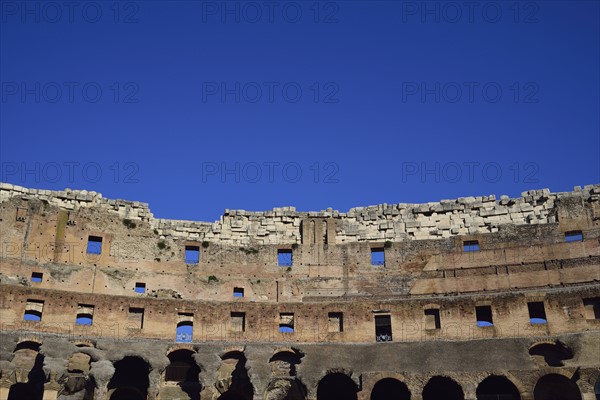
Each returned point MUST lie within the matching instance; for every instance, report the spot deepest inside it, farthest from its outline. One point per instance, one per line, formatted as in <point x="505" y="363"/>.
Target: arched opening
<point x="283" y="363"/>
<point x="233" y="364"/>
<point x="390" y="389"/>
<point x="553" y="354"/>
<point x="597" y="389"/>
<point x="556" y="387"/>
<point x="130" y="379"/>
<point x="182" y="372"/>
<point x="182" y="367"/>
<point x="127" y="394"/>
<point x="497" y="388"/>
<point x="441" y="387"/>
<point x="185" y="330"/>
<point x="27" y="358"/>
<point x="28" y="344"/>
<point x="336" y="386"/>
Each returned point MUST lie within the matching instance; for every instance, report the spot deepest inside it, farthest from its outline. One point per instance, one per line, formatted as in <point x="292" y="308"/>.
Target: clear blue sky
<point x="198" y="106"/>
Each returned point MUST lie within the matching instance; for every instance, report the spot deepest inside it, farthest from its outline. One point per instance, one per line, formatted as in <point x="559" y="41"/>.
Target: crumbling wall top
<point x="394" y="222"/>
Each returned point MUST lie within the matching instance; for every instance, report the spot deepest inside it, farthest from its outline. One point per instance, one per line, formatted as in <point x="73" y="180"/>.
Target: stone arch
<point x="497" y="387"/>
<point x="182" y="375"/>
<point x="28" y="344"/>
<point x="233" y="382"/>
<point x="130" y="379"/>
<point x="284" y="361"/>
<point x="550" y="354"/>
<point x="442" y="387"/>
<point x="29" y="372"/>
<point x="84" y="343"/>
<point x="556" y="387"/>
<point x="337" y="386"/>
<point x="76" y="377"/>
<point x="182" y="367"/>
<point x="390" y="389"/>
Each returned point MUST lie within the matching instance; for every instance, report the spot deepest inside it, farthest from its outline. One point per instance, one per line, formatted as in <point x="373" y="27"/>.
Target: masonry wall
<point x="523" y="255"/>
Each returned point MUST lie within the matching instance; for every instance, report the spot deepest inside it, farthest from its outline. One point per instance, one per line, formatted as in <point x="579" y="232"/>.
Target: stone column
<point x="4" y="389"/>
<point x="527" y="396"/>
<point x="154" y="388"/>
<point x="101" y="392"/>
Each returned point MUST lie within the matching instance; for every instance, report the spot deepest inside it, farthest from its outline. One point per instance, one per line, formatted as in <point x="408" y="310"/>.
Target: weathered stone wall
<point x="523" y="258"/>
<point x="468" y="215"/>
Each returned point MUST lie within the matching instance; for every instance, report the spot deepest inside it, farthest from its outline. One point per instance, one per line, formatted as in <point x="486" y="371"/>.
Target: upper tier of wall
<point x="394" y="222"/>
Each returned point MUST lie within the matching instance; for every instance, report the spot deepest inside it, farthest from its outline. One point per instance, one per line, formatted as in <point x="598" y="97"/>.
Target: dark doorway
<point x="497" y="388"/>
<point x="390" y="389"/>
<point x="130" y="379"/>
<point x="441" y="387"/>
<point x="556" y="387"/>
<point x="127" y="394"/>
<point x="336" y="386"/>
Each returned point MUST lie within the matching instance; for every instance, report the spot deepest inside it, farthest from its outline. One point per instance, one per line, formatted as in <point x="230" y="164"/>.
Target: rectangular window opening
<point x="573" y="236"/>
<point x="185" y="327"/>
<point x="383" y="328"/>
<point x="238" y="322"/>
<point x="33" y="310"/>
<point x="484" y="316"/>
<point x="192" y="254"/>
<point x="286" y="323"/>
<point x="335" y="322"/>
<point x="94" y="245"/>
<point x="85" y="314"/>
<point x="378" y="256"/>
<point x="470" y="246"/>
<point x="284" y="258"/>
<point x="432" y="319"/>
<point x="238" y="292"/>
<point x="136" y="317"/>
<point x="37" y="277"/>
<point x="140" y="287"/>
<point x="537" y="312"/>
<point x="592" y="308"/>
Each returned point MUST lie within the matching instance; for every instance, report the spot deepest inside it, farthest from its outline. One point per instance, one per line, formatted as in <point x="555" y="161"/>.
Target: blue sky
<point x="198" y="106"/>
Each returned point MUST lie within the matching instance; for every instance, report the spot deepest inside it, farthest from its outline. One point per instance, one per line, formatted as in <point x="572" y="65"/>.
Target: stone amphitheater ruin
<point x="473" y="298"/>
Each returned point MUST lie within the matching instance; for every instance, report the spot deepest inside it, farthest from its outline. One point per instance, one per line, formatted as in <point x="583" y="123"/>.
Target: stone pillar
<point x="154" y="388"/>
<point x="527" y="396"/>
<point x="4" y="389"/>
<point x="50" y="394"/>
<point x="101" y="392"/>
